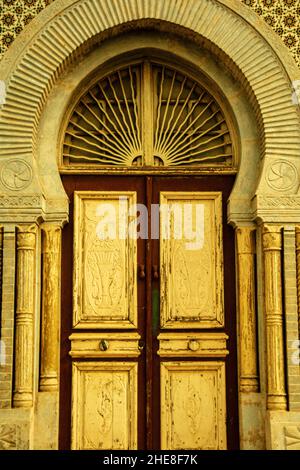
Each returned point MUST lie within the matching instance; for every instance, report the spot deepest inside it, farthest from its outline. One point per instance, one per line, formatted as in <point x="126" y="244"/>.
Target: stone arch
<point x="69" y="87"/>
<point x="42" y="52"/>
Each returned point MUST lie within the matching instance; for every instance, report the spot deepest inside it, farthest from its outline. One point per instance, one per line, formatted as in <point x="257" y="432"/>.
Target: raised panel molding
<point x="105" y="291"/>
<point x="88" y="345"/>
<point x="191" y="277"/>
<point x="192" y="344"/>
<point x="193" y="405"/>
<point x="104" y="405"/>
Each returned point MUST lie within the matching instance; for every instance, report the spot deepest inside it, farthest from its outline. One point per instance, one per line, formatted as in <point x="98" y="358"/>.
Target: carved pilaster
<point x="298" y="271"/>
<point x="272" y="246"/>
<point x="23" y="390"/>
<point x="1" y="264"/>
<point x="51" y="250"/>
<point x="248" y="380"/>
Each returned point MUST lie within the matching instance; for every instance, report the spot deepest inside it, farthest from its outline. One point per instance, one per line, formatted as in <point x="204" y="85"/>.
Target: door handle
<point x="155" y="311"/>
<point x="141" y="270"/>
<point x="193" y="345"/>
<point x="155" y="271"/>
<point x="103" y="345"/>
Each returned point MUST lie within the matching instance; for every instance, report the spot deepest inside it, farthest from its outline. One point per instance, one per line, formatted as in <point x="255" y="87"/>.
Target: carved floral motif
<point x="282" y="175"/>
<point x="16" y="174"/>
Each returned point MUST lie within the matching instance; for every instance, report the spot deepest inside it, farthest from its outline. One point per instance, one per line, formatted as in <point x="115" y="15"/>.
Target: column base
<point x="49" y="383"/>
<point x="252" y="421"/>
<point x="22" y="400"/>
<point x="46" y="419"/>
<point x="276" y="402"/>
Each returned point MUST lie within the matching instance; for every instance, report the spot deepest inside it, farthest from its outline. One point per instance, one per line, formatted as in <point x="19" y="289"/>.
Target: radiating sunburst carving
<point x="147" y="114"/>
<point x="190" y="127"/>
<point x="105" y="126"/>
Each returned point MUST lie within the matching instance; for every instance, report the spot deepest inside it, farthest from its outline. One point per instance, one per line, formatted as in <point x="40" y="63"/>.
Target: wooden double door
<point x="148" y="346"/>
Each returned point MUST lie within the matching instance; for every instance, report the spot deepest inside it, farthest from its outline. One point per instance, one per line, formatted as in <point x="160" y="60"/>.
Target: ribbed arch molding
<point x="41" y="52"/>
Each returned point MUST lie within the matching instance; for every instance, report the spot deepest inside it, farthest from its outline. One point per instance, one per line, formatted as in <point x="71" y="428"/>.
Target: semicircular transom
<point x="147" y="114"/>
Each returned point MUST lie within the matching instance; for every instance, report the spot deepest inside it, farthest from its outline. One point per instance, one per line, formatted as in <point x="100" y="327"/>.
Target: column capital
<point x="245" y="240"/>
<point x="272" y="237"/>
<point x="26" y="236"/>
<point x="51" y="225"/>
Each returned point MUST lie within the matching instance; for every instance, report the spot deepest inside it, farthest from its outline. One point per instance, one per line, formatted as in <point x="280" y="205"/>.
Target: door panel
<point x="201" y="333"/>
<point x="104" y="395"/>
<point x="105" y="290"/>
<point x="102" y="361"/>
<point x="104" y="345"/>
<point x="191" y="260"/>
<point x="192" y="344"/>
<point x="193" y="405"/>
<point x="104" y="405"/>
<point x="193" y="394"/>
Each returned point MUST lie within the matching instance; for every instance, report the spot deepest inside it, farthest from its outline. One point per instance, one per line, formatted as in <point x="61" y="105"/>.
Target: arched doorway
<point x="148" y="313"/>
<point x="265" y="195"/>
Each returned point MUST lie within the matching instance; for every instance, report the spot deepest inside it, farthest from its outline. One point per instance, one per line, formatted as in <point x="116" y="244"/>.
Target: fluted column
<point x="248" y="374"/>
<point x="51" y="250"/>
<point x="1" y="263"/>
<point x="298" y="271"/>
<point x="23" y="389"/>
<point x="272" y="245"/>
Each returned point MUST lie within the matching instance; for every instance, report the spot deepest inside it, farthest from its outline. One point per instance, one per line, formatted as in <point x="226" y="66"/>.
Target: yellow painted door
<point x="193" y="392"/>
<point x="148" y="345"/>
<point x="104" y="338"/>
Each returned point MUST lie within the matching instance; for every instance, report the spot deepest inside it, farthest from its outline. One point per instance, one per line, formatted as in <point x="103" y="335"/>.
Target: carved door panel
<point x="148" y="323"/>
<point x="191" y="297"/>
<point x="104" y="297"/>
<point x="193" y="345"/>
<point x="102" y="320"/>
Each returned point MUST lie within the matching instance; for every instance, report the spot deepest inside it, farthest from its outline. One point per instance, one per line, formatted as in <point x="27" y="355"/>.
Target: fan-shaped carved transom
<point x="147" y="114"/>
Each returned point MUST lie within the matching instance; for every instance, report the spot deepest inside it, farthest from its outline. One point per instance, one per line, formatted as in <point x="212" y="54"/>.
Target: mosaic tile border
<point x="282" y="15"/>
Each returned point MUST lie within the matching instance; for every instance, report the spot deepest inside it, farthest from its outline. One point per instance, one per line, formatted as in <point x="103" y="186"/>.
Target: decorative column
<point x="298" y="271"/>
<point x="272" y="246"/>
<point x="23" y="390"/>
<point x="1" y="262"/>
<point x="248" y="373"/>
<point x="51" y="251"/>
